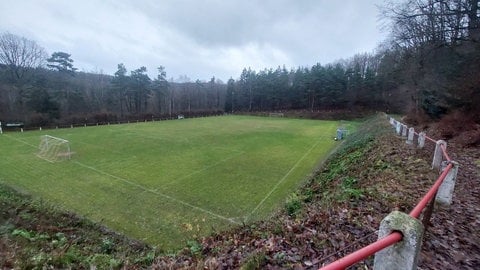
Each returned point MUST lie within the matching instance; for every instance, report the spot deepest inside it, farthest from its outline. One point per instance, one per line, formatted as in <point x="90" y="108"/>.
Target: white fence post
<point x="399" y="128"/>
<point x="404" y="130"/>
<point x="411" y="133"/>
<point x="445" y="191"/>
<point x="421" y="139"/>
<point x="404" y="254"/>
<point x="438" y="155"/>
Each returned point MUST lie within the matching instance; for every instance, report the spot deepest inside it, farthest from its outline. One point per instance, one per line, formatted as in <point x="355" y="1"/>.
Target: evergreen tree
<point x="61" y="61"/>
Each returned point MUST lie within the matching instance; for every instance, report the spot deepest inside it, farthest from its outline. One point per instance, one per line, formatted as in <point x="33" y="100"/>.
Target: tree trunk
<point x="473" y="21"/>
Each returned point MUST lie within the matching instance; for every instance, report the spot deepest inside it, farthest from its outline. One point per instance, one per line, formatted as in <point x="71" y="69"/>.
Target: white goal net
<point x="54" y="149"/>
<point x="275" y="114"/>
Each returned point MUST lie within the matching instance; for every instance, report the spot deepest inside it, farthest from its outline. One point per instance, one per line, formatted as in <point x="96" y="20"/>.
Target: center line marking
<point x="280" y="181"/>
<point x="157" y="193"/>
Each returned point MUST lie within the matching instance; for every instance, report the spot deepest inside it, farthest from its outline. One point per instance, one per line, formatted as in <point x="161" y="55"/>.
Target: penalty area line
<point x="157" y="193"/>
<point x="281" y="180"/>
<point x="208" y="167"/>
<point x="22" y="141"/>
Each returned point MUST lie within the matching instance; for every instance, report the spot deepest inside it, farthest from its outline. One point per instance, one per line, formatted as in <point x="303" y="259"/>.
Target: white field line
<point x="158" y="139"/>
<point x="208" y="167"/>
<point x="99" y="146"/>
<point x="157" y="193"/>
<point x="29" y="144"/>
<point x="44" y="159"/>
<point x="281" y="180"/>
<point x="146" y="189"/>
<point x="22" y="141"/>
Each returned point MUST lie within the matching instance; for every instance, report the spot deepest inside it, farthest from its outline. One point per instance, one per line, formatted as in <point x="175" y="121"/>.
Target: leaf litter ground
<point x="336" y="212"/>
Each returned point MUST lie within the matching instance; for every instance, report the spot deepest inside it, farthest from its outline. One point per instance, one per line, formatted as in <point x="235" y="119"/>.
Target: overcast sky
<point x="196" y="38"/>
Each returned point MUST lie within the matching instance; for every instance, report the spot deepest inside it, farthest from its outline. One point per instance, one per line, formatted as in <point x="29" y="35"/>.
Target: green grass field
<point x="165" y="182"/>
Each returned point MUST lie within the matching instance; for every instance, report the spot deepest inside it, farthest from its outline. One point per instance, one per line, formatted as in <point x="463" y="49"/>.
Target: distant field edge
<point x="167" y="182"/>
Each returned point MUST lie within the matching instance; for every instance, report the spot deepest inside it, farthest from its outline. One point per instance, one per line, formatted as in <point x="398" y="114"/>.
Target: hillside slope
<point x="336" y="212"/>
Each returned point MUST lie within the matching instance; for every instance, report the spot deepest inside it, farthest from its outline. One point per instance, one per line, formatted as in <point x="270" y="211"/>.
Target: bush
<point x="293" y="204"/>
<point x="455" y="123"/>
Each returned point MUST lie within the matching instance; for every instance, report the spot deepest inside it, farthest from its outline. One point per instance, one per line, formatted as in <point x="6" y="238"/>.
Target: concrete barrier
<point x="404" y="254"/>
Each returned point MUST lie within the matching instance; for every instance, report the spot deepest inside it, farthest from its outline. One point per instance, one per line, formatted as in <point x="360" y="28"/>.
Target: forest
<point x="427" y="68"/>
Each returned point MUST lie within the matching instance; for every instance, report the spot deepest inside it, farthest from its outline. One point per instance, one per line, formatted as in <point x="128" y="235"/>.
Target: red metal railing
<point x="430" y="139"/>
<point x="433" y="190"/>
<point x="394" y="237"/>
<point x="365" y="252"/>
<point x="444" y="151"/>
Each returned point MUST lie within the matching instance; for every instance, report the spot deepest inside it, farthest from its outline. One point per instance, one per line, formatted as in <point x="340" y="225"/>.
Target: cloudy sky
<point x="196" y="38"/>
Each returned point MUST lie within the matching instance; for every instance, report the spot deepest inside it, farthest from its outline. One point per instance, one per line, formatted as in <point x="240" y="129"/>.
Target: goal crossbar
<point x="55" y="138"/>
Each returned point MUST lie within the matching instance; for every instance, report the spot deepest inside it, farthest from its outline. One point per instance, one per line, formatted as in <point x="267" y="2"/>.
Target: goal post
<point x="276" y="114"/>
<point x="54" y="149"/>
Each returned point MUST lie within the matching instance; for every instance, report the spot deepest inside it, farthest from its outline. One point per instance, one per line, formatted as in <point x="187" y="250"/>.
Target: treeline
<point x="355" y="83"/>
<point x="428" y="67"/>
<point x="47" y="97"/>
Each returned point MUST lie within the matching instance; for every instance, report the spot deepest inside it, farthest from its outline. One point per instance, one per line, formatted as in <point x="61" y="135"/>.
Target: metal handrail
<point x="394" y="237"/>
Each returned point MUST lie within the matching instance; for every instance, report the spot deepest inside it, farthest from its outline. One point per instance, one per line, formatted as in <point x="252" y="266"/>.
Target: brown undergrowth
<point x="337" y="211"/>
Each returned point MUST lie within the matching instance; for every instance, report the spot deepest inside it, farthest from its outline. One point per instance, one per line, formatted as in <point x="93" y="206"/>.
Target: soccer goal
<point x="54" y="149"/>
<point x="276" y="115"/>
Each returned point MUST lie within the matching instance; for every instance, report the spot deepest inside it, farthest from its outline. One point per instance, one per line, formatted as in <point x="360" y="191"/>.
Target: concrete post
<point x="404" y="130"/>
<point x="392" y="121"/>
<point x="411" y="133"/>
<point x="402" y="255"/>
<point x="445" y="191"/>
<point x="438" y="154"/>
<point x="421" y="139"/>
<point x="398" y="128"/>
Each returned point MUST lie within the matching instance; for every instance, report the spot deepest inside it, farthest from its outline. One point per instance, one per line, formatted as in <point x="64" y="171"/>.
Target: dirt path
<point x="453" y="240"/>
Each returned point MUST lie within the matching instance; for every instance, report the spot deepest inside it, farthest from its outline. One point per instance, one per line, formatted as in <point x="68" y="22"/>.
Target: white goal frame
<point x="276" y="115"/>
<point x="54" y="149"/>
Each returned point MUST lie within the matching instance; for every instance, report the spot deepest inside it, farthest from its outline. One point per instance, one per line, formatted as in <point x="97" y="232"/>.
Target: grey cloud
<point x="196" y="38"/>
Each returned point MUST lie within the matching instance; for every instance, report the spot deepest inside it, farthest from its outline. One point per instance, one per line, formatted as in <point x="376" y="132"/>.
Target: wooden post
<point x="427" y="214"/>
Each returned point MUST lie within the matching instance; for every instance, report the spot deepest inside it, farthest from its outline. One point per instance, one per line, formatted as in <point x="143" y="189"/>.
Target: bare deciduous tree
<point x="20" y="54"/>
<point x="414" y="23"/>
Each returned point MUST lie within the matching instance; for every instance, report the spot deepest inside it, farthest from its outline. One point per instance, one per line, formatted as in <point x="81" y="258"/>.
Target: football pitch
<point x="166" y="182"/>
